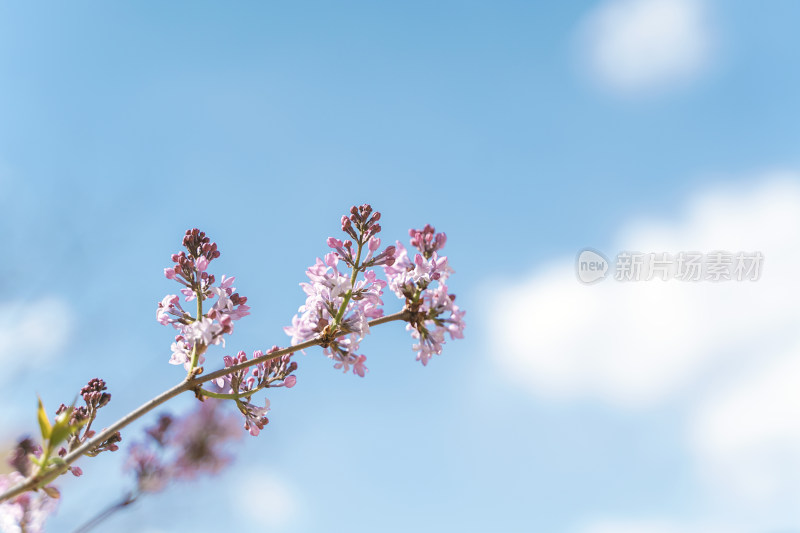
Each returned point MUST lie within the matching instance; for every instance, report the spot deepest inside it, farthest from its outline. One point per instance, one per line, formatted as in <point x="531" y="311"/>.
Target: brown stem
<point x="402" y="315"/>
<point x="43" y="478"/>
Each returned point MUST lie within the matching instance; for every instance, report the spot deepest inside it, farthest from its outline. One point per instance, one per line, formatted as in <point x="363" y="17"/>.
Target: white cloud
<point x="32" y="333"/>
<point x="637" y="344"/>
<point x="746" y="433"/>
<point x="634" y="45"/>
<point x="727" y="354"/>
<point x="267" y="499"/>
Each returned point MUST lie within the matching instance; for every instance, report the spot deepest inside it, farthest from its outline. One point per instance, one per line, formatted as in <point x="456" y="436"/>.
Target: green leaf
<point x="62" y="429"/>
<point x="52" y="492"/>
<point x="44" y="422"/>
<point x="56" y="461"/>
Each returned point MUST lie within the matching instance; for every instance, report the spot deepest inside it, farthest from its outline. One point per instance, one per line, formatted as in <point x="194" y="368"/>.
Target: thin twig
<point x="108" y="511"/>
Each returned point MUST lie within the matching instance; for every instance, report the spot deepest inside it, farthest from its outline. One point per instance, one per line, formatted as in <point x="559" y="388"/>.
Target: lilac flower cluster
<point x="339" y="306"/>
<point x="421" y="282"/>
<point x="199" y="332"/>
<point x="183" y="448"/>
<point x="242" y="384"/>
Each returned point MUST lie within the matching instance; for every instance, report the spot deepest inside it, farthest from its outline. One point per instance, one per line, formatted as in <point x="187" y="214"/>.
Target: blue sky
<point x="122" y="125"/>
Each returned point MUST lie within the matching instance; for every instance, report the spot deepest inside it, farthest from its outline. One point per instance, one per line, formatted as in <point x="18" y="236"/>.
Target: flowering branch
<point x="338" y="313"/>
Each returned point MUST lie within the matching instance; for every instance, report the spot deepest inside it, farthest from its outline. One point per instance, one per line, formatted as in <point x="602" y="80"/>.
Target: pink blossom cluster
<point x="339" y="304"/>
<point x="244" y="383"/>
<point x="422" y="283"/>
<point x="183" y="448"/>
<point x="27" y="512"/>
<point x="197" y="333"/>
<point x="94" y="399"/>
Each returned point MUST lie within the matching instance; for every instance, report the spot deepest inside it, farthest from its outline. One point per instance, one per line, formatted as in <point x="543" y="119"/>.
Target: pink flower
<point x="201" y="440"/>
<point x="430" y="342"/>
<point x="183" y="448"/>
<point x="151" y="474"/>
<point x="255" y="417"/>
<point x="170" y="311"/>
<point x="181" y="352"/>
<point x="204" y="331"/>
<point x="426" y="240"/>
<point x="374" y="244"/>
<point x="358" y="366"/>
<point x="27" y="512"/>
